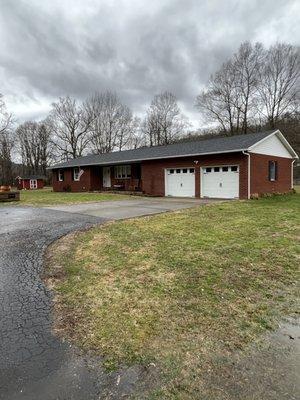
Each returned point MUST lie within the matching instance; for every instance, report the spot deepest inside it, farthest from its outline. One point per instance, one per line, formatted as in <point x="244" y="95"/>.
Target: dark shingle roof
<point x="226" y="144"/>
<point x="31" y="177"/>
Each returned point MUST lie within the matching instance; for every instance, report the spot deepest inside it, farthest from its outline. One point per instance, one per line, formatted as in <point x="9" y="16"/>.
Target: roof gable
<point x="274" y="144"/>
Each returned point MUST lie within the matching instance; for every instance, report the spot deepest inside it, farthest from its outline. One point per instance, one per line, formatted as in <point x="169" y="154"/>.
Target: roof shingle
<point x="192" y="148"/>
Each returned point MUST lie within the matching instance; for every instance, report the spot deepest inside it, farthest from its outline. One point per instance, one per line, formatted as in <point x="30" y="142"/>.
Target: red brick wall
<point x="83" y="185"/>
<point x="91" y="179"/>
<point x="260" y="174"/>
<point x="153" y="172"/>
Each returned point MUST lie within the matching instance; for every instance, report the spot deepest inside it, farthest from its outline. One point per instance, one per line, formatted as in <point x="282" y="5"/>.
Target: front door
<point x="33" y="184"/>
<point x="106" y="177"/>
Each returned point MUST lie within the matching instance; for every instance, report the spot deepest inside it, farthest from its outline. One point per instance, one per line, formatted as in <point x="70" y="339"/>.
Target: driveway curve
<point x="33" y="363"/>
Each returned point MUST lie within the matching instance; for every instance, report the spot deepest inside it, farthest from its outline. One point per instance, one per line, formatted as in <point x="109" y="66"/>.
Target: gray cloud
<point x="135" y="47"/>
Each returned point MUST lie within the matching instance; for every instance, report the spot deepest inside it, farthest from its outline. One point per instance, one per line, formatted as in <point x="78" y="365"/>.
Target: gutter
<point x="249" y="172"/>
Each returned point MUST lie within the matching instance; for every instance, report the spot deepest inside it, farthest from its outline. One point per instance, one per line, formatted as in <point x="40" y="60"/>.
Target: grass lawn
<point x="46" y="197"/>
<point x="181" y="289"/>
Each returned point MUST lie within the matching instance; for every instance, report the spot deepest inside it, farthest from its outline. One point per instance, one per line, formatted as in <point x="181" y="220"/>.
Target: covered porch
<point x="120" y="177"/>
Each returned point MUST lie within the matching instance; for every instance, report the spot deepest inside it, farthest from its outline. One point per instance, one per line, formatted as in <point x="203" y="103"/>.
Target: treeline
<point x="100" y="124"/>
<point x="257" y="88"/>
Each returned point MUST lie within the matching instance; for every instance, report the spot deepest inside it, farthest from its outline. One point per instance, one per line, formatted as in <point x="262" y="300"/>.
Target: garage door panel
<point x="220" y="182"/>
<point x="180" y="182"/>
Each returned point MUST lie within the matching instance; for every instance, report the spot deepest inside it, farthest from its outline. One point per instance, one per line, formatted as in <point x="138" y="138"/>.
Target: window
<point x="272" y="170"/>
<point x="184" y="170"/>
<point x="171" y="171"/>
<point x="123" y="171"/>
<point x="60" y="175"/>
<point x="192" y="170"/>
<point x="234" y="168"/>
<point x="76" y="176"/>
<point x="207" y="170"/>
<point x="33" y="184"/>
<point x="217" y="169"/>
<point x="225" y="169"/>
<point x="178" y="171"/>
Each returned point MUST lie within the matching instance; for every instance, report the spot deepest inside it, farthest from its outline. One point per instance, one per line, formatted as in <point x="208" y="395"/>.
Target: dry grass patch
<point x="180" y="288"/>
<point x="46" y="197"/>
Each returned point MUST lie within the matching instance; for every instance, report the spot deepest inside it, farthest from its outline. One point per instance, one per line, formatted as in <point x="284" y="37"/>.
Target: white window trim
<point x="203" y="168"/>
<point x="76" y="177"/>
<point x="60" y="175"/>
<point x="33" y="183"/>
<point x="121" y="170"/>
<point x="167" y="170"/>
<point x="274" y="171"/>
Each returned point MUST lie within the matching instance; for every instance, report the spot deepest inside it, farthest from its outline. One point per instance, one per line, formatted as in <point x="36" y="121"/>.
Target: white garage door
<point x="180" y="182"/>
<point x="220" y="182"/>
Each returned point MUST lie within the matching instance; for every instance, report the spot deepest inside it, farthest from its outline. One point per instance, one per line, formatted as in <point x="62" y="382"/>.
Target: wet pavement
<point x="33" y="363"/>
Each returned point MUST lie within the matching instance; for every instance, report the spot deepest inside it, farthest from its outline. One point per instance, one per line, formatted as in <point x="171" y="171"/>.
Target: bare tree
<point x="253" y="87"/>
<point x="6" y="144"/>
<point x="247" y="64"/>
<point x="164" y="122"/>
<point x="279" y="82"/>
<point x="34" y="139"/>
<point x="70" y="124"/>
<point x="230" y="97"/>
<point x="136" y="138"/>
<point x="218" y="103"/>
<point x="112" y="123"/>
<point x="6" y="119"/>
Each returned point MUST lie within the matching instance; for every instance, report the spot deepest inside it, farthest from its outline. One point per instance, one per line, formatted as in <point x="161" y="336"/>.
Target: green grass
<point x="179" y="289"/>
<point x="46" y="197"/>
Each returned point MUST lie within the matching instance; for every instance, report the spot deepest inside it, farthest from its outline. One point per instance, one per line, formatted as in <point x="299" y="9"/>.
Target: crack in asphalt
<point x="34" y="364"/>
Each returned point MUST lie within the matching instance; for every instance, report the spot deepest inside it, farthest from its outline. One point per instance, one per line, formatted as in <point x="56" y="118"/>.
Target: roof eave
<point x="148" y="159"/>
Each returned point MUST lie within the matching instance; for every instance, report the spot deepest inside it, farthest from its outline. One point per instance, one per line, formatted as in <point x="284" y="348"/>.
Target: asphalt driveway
<point x="34" y="364"/>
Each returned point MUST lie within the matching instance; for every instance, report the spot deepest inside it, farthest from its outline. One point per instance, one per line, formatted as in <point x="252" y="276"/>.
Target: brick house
<point x="219" y="167"/>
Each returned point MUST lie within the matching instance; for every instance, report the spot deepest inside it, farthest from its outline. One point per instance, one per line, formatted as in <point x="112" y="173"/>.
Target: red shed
<point x="30" y="182"/>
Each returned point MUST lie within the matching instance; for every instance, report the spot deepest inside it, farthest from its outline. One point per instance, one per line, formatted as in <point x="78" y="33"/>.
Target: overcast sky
<point x="137" y="48"/>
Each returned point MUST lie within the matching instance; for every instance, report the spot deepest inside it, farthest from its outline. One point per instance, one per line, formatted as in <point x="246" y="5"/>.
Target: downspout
<point x="249" y="172"/>
<point x="292" y="174"/>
